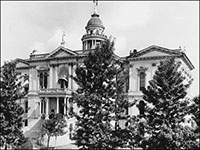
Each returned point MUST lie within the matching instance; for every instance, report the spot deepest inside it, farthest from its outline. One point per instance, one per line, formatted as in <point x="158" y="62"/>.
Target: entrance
<point x="61" y="105"/>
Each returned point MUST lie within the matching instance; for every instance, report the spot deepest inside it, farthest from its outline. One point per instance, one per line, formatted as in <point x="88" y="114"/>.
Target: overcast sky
<point x="136" y="25"/>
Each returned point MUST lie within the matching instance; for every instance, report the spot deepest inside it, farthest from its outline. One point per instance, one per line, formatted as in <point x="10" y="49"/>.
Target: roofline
<point x="159" y="47"/>
<point x="21" y="60"/>
<point x="187" y="61"/>
<point x="58" y="48"/>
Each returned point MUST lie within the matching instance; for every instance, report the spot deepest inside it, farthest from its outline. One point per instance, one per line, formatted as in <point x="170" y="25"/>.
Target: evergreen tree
<point x="165" y="109"/>
<point x="11" y="112"/>
<point x="194" y="109"/>
<point x="101" y="100"/>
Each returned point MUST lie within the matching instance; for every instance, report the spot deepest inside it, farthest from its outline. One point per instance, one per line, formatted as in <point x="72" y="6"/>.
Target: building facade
<point x="50" y="86"/>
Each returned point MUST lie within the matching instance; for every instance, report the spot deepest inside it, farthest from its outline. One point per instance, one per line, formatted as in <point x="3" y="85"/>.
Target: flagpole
<point x="95" y="6"/>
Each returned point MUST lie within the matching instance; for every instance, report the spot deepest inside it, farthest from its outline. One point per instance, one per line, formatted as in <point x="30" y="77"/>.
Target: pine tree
<point x="101" y="100"/>
<point x="11" y="112"/>
<point x="165" y="109"/>
<point x="194" y="109"/>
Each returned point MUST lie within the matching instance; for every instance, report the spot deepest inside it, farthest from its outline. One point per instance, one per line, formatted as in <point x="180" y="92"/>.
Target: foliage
<point x="165" y="109"/>
<point x="54" y="127"/>
<point x="101" y="99"/>
<point x="194" y="109"/>
<point x="11" y="112"/>
<point x="27" y="145"/>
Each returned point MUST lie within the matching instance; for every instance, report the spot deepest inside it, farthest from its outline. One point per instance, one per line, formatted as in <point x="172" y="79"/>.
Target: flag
<point x="96" y="2"/>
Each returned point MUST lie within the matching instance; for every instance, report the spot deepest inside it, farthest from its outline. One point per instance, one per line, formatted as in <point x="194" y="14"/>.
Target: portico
<point x="58" y="103"/>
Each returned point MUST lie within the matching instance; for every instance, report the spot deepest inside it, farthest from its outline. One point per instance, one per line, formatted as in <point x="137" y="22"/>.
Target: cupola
<point x="94" y="32"/>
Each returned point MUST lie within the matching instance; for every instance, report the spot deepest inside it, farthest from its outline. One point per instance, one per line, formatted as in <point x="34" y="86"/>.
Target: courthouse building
<point x="50" y="86"/>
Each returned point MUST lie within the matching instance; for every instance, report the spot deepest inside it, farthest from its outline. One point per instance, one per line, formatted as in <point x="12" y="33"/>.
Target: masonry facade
<point x="50" y="86"/>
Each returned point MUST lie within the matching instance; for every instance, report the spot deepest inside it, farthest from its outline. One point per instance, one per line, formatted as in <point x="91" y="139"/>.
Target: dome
<point x="95" y="21"/>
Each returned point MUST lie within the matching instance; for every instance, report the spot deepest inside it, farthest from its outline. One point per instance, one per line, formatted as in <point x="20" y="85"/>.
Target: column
<point x="56" y="76"/>
<point x="70" y="79"/>
<point x="37" y="80"/>
<point x="65" y="104"/>
<point x="57" y="110"/>
<point x="75" y="86"/>
<point x="34" y="78"/>
<point x="72" y="73"/>
<point x="68" y="105"/>
<point x="30" y="80"/>
<point x="51" y="77"/>
<point x="47" y="106"/>
<point x="131" y="82"/>
<point x="41" y="106"/>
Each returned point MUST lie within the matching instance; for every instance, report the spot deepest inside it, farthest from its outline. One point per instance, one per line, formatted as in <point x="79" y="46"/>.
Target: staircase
<point x="33" y="131"/>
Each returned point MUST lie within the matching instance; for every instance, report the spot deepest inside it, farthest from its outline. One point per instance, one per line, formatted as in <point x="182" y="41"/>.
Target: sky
<point x="26" y="26"/>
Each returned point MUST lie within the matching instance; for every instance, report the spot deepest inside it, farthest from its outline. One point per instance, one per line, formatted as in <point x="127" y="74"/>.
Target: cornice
<point x="22" y="68"/>
<point x="149" y="58"/>
<point x="55" y="58"/>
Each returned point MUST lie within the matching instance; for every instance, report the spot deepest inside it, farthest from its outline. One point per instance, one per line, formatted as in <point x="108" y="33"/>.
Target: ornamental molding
<point x="42" y="68"/>
<point x="141" y="69"/>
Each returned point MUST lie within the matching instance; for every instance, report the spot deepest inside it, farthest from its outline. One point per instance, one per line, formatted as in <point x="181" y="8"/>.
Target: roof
<point x="95" y="21"/>
<point x="157" y="52"/>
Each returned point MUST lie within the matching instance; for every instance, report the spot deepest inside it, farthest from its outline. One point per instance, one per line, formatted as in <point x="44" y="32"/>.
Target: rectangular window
<point x="142" y="81"/>
<point x="26" y="106"/>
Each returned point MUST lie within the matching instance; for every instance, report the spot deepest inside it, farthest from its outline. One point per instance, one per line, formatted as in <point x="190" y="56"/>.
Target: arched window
<point x="63" y="83"/>
<point x="141" y="77"/>
<point x="63" y="77"/>
<point x="43" y="80"/>
<point x="142" y="81"/>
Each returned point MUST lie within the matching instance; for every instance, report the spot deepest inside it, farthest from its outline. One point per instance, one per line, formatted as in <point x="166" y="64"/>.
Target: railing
<point x="97" y="35"/>
<point x="56" y="90"/>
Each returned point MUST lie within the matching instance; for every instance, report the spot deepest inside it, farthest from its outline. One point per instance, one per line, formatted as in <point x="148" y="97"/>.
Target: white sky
<point x="136" y="25"/>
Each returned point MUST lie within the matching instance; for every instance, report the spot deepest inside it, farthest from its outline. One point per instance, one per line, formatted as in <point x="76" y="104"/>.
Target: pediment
<point x="20" y="63"/>
<point x="154" y="51"/>
<point x="61" y="52"/>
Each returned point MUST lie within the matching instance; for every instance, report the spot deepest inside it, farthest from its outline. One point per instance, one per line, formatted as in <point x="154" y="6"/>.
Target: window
<point x="26" y="106"/>
<point x="26" y="122"/>
<point x="63" y="83"/>
<point x="43" y="106"/>
<point x="43" y="80"/>
<point x="142" y="81"/>
<point x="141" y="77"/>
<point x="90" y="44"/>
<point x="63" y="76"/>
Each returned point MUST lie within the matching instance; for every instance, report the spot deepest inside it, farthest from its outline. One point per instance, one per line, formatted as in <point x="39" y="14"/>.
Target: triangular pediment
<point x="21" y="63"/>
<point x="153" y="51"/>
<point x="61" y="52"/>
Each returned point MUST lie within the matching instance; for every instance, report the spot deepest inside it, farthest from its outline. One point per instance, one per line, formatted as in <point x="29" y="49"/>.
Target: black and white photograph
<point x="99" y="75"/>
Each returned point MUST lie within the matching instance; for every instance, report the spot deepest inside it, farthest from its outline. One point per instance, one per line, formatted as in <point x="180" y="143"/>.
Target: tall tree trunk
<point x="5" y="147"/>
<point x="55" y="140"/>
<point x="48" y="140"/>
